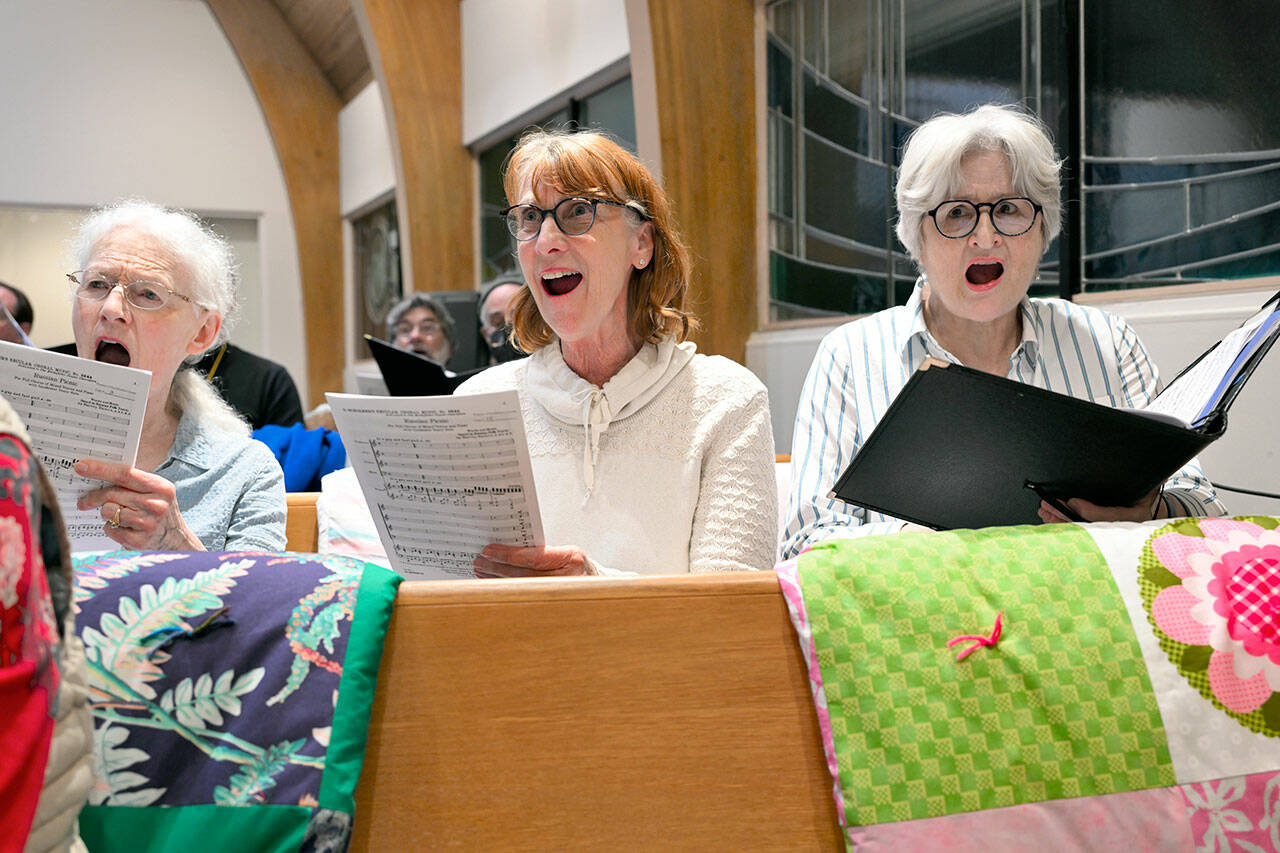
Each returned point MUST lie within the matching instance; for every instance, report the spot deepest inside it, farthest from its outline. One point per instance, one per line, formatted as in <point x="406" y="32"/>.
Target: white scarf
<point x="570" y="399"/>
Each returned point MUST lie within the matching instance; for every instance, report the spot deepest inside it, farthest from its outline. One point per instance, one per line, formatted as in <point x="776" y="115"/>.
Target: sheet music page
<point x="75" y="408"/>
<point x="1194" y="394"/>
<point x="443" y="476"/>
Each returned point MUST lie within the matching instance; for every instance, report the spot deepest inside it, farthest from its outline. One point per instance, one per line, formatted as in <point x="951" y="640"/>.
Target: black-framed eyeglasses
<point x="573" y="216"/>
<point x="93" y="286"/>
<point x="956" y="218"/>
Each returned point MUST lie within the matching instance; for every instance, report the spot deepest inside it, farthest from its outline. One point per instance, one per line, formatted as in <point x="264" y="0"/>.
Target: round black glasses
<point x="1009" y="216"/>
<point x="573" y="216"/>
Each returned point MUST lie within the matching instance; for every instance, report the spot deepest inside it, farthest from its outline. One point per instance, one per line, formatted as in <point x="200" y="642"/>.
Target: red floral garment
<point x="28" y="646"/>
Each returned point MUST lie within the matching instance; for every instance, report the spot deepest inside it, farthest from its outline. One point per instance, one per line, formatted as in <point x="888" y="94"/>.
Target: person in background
<point x="495" y="323"/>
<point x="155" y="290"/>
<point x="261" y="390"/>
<point x="19" y="307"/>
<point x="647" y="456"/>
<point x="979" y="202"/>
<point x="421" y="324"/>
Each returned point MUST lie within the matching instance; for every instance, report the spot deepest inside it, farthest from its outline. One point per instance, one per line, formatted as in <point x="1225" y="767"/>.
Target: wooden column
<point x="704" y="69"/>
<point x="301" y="110"/>
<point x="415" y="47"/>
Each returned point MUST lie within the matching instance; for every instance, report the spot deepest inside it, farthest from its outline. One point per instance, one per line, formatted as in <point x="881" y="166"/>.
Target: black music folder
<point x="959" y="448"/>
<point x="408" y="374"/>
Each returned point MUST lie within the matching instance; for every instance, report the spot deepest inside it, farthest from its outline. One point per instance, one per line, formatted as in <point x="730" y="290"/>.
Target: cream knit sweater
<point x="685" y="484"/>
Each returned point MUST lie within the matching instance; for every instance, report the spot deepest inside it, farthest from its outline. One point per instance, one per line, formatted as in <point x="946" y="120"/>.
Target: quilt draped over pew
<point x="1060" y="687"/>
<point x="231" y="696"/>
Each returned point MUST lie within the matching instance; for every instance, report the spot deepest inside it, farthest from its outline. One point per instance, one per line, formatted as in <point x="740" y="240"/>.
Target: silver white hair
<point x="205" y="256"/>
<point x="931" y="170"/>
<point x="191" y="393"/>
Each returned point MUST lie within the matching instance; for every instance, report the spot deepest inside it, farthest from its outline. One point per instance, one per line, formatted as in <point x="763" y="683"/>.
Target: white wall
<point x="1174" y="330"/>
<point x="146" y="98"/>
<point x="33" y="257"/>
<point x="366" y="162"/>
<point x="516" y="56"/>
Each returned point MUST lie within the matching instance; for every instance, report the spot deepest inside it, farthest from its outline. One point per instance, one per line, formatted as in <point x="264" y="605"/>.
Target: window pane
<point x="798" y="285"/>
<point x="848" y="48"/>
<point x="611" y="109"/>
<point x="1181" y="98"/>
<point x="1234" y="193"/>
<point x="1198" y="77"/>
<point x="781" y="177"/>
<point x="779" y="65"/>
<point x="782" y="21"/>
<point x="845" y="195"/>
<point x="960" y="53"/>
<point x="833" y="114"/>
<point x="1123" y="217"/>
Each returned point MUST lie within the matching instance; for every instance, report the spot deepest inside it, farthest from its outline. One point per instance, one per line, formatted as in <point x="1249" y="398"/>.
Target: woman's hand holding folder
<point x="1150" y="507"/>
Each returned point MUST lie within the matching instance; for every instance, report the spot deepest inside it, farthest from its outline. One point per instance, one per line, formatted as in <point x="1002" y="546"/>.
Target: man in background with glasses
<point x="421" y="324"/>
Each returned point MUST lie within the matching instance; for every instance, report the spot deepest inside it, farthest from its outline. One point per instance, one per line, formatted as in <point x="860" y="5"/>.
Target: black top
<point x="259" y="389"/>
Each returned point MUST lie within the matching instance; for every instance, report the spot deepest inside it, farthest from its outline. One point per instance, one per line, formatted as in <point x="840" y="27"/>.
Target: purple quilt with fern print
<point x="215" y="681"/>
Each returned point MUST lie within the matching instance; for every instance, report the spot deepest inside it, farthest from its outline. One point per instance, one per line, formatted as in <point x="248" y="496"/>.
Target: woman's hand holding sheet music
<point x="509" y="561"/>
<point x="140" y="508"/>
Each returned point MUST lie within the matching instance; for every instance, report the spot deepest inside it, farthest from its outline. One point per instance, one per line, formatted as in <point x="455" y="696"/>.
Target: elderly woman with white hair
<point x="978" y="200"/>
<point x="154" y="291"/>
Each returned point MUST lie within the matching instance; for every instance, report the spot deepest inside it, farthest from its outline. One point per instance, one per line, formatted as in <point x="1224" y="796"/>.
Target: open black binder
<point x="408" y="374"/>
<point x="959" y="448"/>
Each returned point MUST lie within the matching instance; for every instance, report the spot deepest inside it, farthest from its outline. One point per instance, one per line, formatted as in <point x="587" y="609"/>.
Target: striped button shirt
<point x="860" y="367"/>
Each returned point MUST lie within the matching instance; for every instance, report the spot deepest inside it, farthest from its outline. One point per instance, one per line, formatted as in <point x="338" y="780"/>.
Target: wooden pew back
<point x="655" y="713"/>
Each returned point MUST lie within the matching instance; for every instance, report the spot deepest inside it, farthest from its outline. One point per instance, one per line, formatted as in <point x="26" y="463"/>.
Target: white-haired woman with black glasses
<point x="647" y="456"/>
<point x="154" y="291"/>
<point x="978" y="200"/>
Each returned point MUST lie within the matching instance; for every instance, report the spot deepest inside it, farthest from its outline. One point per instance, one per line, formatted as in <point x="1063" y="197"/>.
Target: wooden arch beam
<point x="415" y="48"/>
<point x="301" y="110"/>
<point x="706" y="103"/>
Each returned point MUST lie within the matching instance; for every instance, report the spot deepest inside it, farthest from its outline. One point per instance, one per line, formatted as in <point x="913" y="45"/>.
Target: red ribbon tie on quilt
<point x="978" y="640"/>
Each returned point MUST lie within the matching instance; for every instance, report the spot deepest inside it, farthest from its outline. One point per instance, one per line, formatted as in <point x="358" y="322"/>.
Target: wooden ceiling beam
<point x="301" y="111"/>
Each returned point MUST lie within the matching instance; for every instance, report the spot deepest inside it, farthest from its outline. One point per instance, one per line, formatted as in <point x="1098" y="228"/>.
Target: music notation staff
<point x="75" y="409"/>
<point x="443" y="476"/>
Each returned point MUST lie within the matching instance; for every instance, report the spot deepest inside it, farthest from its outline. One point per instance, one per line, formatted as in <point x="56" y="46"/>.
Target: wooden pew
<point x="300" y="530"/>
<point x="590" y="713"/>
<point x="665" y="713"/>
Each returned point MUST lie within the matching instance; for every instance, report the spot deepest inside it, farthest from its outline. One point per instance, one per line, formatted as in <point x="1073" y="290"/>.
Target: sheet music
<point x="75" y="408"/>
<point x="443" y="476"/>
<point x="1194" y="394"/>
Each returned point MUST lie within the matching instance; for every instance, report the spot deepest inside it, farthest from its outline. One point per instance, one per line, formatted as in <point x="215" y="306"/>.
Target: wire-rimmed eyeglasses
<point x="956" y="218"/>
<point x="426" y="327"/>
<point x="573" y="216"/>
<point x="93" y="286"/>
